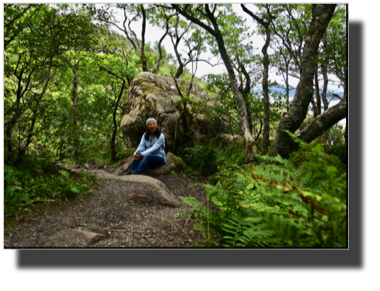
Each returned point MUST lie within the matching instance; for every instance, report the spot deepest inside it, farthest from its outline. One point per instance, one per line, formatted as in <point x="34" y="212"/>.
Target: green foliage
<point x="125" y="153"/>
<point x="31" y="183"/>
<point x="208" y="158"/>
<point x="280" y="203"/>
<point x="188" y="100"/>
<point x="339" y="151"/>
<point x="202" y="214"/>
<point x="45" y="44"/>
<point x="202" y="157"/>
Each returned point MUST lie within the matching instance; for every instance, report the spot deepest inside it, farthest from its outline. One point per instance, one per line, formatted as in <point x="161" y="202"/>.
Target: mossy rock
<point x="156" y="96"/>
<point x="125" y="153"/>
<point x="174" y="167"/>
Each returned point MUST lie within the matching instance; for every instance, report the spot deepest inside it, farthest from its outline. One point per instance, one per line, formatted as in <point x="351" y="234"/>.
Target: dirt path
<point x="107" y="218"/>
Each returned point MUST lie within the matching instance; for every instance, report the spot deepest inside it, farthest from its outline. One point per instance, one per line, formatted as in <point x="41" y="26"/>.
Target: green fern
<point x="280" y="203"/>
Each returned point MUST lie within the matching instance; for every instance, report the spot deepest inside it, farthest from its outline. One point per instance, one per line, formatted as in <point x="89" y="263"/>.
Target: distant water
<point x="329" y="96"/>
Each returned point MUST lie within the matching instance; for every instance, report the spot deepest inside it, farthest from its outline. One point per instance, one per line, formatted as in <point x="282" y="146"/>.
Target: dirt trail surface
<point x="109" y="218"/>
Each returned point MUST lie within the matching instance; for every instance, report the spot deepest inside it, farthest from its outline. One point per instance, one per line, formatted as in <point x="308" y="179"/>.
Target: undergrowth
<point x="276" y="203"/>
<point x="34" y="182"/>
<point x="209" y="158"/>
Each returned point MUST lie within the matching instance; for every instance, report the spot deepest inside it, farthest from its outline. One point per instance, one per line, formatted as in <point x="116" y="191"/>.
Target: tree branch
<point x="249" y="12"/>
<point x="193" y="19"/>
<point x="101" y="68"/>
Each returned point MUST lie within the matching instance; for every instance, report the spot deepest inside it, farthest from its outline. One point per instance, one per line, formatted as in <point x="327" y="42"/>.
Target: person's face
<point x="152" y="126"/>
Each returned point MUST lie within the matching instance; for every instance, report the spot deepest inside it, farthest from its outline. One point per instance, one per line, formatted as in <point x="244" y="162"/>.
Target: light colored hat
<point x="150" y="119"/>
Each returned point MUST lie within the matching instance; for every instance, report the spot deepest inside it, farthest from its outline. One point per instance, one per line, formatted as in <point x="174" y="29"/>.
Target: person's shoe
<point x="128" y="172"/>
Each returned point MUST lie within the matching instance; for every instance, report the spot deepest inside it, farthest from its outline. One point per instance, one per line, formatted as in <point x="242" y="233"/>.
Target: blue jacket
<point x="157" y="148"/>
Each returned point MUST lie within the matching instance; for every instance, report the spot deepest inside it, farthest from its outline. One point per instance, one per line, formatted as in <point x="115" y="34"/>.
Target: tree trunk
<point x="8" y="128"/>
<point x="325" y="83"/>
<point x="287" y="85"/>
<point x="345" y="134"/>
<point x="315" y="109"/>
<point x="142" y="53"/>
<point x="266" y="93"/>
<point x="114" y="131"/>
<point x="249" y="117"/>
<point x="179" y="71"/>
<point x="250" y="144"/>
<point x="265" y="75"/>
<point x="160" y="50"/>
<point x="322" y="14"/>
<point x="178" y="56"/>
<point x="324" y="93"/>
<point x="317" y="91"/>
<point x="31" y="132"/>
<point x="23" y="150"/>
<point x="324" y="121"/>
<point x="75" y="109"/>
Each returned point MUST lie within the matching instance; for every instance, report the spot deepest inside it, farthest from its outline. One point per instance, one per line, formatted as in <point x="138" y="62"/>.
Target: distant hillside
<point x="338" y="92"/>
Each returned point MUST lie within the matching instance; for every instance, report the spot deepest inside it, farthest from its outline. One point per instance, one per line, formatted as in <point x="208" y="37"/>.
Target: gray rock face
<point x="163" y="225"/>
<point x="120" y="171"/>
<point x="88" y="236"/>
<point x="73" y="238"/>
<point x="155" y="190"/>
<point x="154" y="96"/>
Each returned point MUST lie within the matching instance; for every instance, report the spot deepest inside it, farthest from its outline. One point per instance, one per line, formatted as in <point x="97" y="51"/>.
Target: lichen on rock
<point x="155" y="96"/>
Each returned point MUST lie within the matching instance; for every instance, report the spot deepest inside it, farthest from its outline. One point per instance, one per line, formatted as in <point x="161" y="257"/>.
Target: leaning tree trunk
<point x="324" y="121"/>
<point x="322" y="14"/>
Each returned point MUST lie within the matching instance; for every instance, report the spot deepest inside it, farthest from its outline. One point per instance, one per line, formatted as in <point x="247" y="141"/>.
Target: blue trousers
<point x="139" y="165"/>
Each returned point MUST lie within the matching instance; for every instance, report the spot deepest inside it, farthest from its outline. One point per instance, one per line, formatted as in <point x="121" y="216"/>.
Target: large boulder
<point x="155" y="190"/>
<point x="154" y="96"/>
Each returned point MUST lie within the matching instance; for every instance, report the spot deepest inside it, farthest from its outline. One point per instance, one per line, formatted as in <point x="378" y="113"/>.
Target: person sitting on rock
<point x="150" y="150"/>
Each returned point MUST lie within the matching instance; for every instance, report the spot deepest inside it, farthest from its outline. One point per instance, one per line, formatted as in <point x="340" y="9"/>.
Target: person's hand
<point x="137" y="156"/>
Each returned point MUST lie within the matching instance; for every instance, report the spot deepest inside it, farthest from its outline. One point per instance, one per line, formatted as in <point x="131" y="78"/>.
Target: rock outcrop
<point x="155" y="190"/>
<point x="154" y="96"/>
